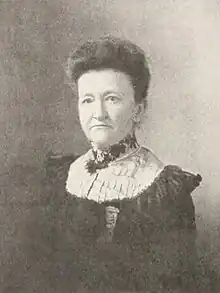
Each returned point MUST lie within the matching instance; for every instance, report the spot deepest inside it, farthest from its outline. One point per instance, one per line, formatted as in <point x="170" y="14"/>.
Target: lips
<point x="100" y="126"/>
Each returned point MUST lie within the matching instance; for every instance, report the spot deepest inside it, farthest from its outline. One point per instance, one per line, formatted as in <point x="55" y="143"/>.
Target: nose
<point x="99" y="110"/>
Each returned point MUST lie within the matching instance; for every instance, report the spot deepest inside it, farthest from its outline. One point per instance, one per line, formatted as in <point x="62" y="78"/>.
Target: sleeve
<point x="165" y="215"/>
<point x="42" y="221"/>
<point x="179" y="186"/>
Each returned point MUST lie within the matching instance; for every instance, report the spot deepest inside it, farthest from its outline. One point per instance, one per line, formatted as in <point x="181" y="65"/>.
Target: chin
<point x="101" y="144"/>
<point x="103" y="141"/>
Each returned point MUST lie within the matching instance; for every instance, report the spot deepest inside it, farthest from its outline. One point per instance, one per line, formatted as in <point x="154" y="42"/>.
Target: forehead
<point x="104" y="80"/>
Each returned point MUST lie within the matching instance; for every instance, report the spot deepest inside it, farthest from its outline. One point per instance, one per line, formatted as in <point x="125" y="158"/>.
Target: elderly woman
<point x="117" y="219"/>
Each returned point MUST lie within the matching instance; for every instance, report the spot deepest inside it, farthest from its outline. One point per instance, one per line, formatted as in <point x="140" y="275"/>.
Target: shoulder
<point x="150" y="160"/>
<point x="58" y="163"/>
<point x="148" y="165"/>
<point x="178" y="179"/>
<point x="79" y="162"/>
<point x="76" y="173"/>
<point x="172" y="187"/>
<point x="56" y="168"/>
<point x="173" y="176"/>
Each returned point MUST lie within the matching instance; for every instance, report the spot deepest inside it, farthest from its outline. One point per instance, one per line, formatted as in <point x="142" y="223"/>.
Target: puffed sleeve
<point x="168" y="201"/>
<point x="179" y="187"/>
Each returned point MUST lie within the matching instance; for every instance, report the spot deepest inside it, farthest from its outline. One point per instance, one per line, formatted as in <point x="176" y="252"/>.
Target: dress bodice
<point x="152" y="245"/>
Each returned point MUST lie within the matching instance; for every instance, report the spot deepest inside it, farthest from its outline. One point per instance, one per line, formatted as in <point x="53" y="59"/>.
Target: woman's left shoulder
<point x="149" y="164"/>
<point x="150" y="159"/>
<point x="177" y="179"/>
<point x="169" y="176"/>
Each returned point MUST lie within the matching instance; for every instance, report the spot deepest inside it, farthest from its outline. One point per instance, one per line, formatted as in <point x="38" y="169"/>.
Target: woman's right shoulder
<point x="54" y="174"/>
<point x="56" y="162"/>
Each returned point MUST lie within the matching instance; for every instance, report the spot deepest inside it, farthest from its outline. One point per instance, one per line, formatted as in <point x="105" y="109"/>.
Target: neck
<point x="129" y="140"/>
<point x="102" y="157"/>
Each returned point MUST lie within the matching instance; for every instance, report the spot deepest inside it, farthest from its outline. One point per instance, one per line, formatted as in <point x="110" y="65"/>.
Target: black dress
<point x="151" y="250"/>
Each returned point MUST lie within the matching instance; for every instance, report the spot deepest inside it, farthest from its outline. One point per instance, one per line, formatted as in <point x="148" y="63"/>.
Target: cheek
<point x="123" y="116"/>
<point x="84" y="117"/>
<point x="83" y="113"/>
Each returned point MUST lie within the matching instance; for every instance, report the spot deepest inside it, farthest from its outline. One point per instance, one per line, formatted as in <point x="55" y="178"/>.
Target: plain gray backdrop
<point x="38" y="108"/>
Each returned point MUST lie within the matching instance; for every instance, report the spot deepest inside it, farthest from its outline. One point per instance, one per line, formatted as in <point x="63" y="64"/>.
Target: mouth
<point x="101" y="126"/>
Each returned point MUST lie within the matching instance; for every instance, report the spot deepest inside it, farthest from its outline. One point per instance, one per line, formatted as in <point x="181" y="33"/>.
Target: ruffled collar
<point x="102" y="158"/>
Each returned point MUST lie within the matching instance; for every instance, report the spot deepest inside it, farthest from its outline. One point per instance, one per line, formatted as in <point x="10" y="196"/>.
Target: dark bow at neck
<point x="102" y="158"/>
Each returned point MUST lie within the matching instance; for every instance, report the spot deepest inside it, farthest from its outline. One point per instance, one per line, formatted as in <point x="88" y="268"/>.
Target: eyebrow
<point x="110" y="92"/>
<point x="104" y="94"/>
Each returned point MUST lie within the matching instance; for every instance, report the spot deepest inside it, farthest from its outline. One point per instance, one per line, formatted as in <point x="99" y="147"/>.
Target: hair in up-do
<point x="112" y="53"/>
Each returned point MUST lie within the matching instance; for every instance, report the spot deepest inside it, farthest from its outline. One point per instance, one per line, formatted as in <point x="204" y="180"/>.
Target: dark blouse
<point x="152" y="248"/>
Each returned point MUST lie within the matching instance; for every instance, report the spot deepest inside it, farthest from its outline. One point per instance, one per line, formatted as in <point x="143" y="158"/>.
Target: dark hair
<point x="115" y="53"/>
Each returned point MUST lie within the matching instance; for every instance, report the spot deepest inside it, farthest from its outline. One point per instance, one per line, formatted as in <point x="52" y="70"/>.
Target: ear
<point x="139" y="112"/>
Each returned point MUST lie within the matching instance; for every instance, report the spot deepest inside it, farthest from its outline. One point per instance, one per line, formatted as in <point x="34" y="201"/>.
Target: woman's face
<point x="106" y="106"/>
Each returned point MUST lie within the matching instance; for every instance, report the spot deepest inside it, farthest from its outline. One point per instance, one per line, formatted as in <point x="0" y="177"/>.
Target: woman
<point x="118" y="219"/>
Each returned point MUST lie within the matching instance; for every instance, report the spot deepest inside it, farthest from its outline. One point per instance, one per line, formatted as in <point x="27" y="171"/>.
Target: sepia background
<point x="38" y="109"/>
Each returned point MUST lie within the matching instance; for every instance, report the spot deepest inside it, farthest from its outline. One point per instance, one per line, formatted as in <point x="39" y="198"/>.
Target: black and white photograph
<point x="110" y="165"/>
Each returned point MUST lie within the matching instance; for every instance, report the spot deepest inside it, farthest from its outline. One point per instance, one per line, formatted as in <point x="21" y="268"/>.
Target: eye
<point x="113" y="98"/>
<point x="87" y="100"/>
